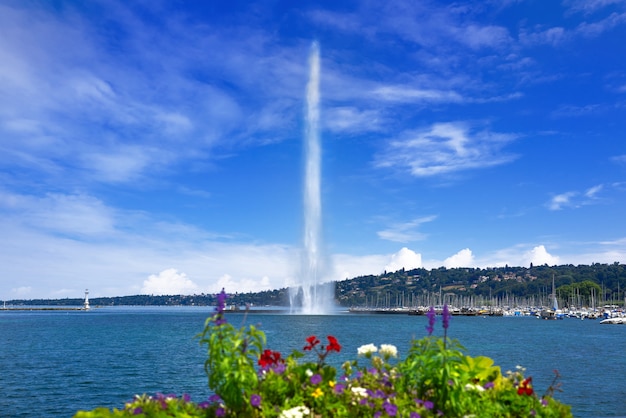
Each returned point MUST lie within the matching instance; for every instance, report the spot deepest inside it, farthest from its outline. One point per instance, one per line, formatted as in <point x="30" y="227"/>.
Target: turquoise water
<point x="55" y="363"/>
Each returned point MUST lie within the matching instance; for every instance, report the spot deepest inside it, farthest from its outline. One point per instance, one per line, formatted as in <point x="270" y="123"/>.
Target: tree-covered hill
<point x="582" y="285"/>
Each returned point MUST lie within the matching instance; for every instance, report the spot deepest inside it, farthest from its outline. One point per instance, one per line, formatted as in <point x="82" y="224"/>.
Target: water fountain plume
<point x="316" y="297"/>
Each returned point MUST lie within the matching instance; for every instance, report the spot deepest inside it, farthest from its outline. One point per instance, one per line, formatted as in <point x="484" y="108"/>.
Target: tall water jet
<point x="316" y="297"/>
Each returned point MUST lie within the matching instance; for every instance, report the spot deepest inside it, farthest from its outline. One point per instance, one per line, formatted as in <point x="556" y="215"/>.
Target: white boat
<point x="615" y="320"/>
<point x="555" y="312"/>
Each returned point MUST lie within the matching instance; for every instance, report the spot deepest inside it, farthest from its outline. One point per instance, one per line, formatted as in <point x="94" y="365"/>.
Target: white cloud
<point x="21" y="291"/>
<point x="593" y="191"/>
<point x="405" y="232"/>
<point x="577" y="199"/>
<point x="352" y="120"/>
<point x="76" y="215"/>
<point x="407" y="94"/>
<point x="121" y="165"/>
<point x="540" y="256"/>
<point x="589" y="6"/>
<point x="476" y="36"/>
<point x="120" y="114"/>
<point x="169" y="282"/>
<point x="79" y="242"/>
<point x="347" y="266"/>
<point x="404" y="259"/>
<point x="463" y="258"/>
<point x="238" y="285"/>
<point x="445" y="148"/>
<point x="560" y="201"/>
<point x="551" y="36"/>
<point x="555" y="36"/>
<point x="597" y="28"/>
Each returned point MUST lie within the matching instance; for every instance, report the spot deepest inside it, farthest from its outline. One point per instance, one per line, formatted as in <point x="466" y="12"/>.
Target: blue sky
<point x="157" y="146"/>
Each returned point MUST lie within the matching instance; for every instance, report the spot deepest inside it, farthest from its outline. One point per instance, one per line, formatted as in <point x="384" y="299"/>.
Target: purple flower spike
<point x="415" y="415"/>
<point x="218" y="318"/>
<point x="255" y="400"/>
<point x="432" y="317"/>
<point x="221" y="301"/>
<point x="220" y="412"/>
<point x="446" y="317"/>
<point x="428" y="404"/>
<point x="316" y="379"/>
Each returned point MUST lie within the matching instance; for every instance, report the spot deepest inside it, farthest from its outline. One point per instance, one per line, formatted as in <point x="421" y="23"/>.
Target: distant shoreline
<point x="55" y="308"/>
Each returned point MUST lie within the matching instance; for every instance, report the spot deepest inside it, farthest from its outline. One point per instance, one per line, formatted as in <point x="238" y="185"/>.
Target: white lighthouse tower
<point x="86" y="303"/>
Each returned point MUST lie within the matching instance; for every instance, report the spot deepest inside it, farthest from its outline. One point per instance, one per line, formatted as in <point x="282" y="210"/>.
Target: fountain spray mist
<point x="316" y="296"/>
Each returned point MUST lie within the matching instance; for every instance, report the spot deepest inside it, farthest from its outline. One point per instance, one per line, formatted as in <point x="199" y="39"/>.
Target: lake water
<point x="53" y="363"/>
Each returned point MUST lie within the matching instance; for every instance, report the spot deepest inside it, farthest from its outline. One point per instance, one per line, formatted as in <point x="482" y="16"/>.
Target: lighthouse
<point x="86" y="303"/>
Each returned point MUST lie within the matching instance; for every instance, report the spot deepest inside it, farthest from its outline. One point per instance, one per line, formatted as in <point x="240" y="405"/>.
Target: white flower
<point x="309" y="373"/>
<point x="296" y="412"/>
<point x="364" y="350"/>
<point x="359" y="391"/>
<point x="471" y="386"/>
<point x="388" y="350"/>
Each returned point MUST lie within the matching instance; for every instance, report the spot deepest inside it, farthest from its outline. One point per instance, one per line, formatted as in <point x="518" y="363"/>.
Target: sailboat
<point x="554" y="312"/>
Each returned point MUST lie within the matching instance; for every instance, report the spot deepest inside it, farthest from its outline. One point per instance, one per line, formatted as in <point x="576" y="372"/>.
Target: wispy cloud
<point x="594" y="29"/>
<point x="95" y="96"/>
<point x="576" y="111"/>
<point x="575" y="199"/>
<point x="592" y="192"/>
<point x="590" y="6"/>
<point x="561" y="201"/>
<point x="349" y="119"/>
<point x="621" y="159"/>
<point x="76" y="215"/>
<point x="406" y="232"/>
<point x="446" y="148"/>
<point x="406" y="94"/>
<point x="539" y="36"/>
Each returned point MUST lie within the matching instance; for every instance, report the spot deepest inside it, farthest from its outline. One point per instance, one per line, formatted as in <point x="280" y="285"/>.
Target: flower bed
<point x="435" y="379"/>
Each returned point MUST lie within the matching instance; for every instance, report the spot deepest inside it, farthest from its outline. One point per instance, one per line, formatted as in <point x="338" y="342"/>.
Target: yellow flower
<point x="317" y="393"/>
<point x="331" y="383"/>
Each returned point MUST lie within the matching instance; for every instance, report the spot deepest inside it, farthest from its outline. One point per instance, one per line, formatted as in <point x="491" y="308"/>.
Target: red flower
<point x="525" y="387"/>
<point x="312" y="342"/>
<point x="269" y="358"/>
<point x="333" y="345"/>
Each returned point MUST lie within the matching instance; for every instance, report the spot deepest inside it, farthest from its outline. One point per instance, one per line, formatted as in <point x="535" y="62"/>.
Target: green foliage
<point x="153" y="406"/>
<point x="232" y="355"/>
<point x="584" y="289"/>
